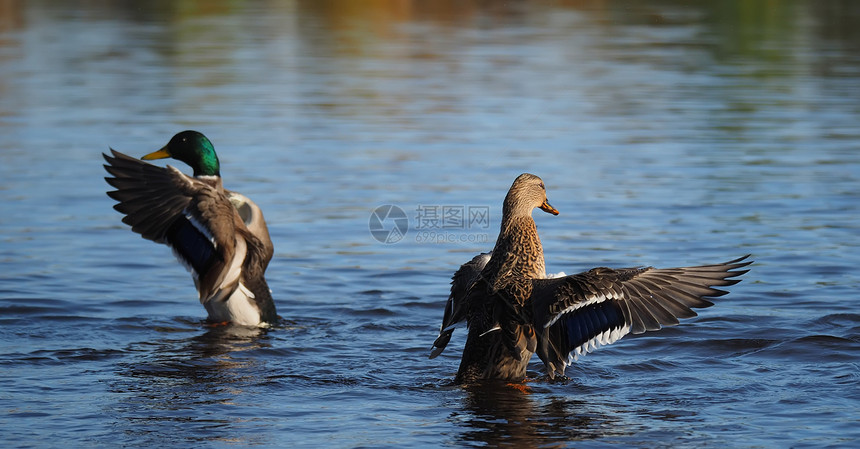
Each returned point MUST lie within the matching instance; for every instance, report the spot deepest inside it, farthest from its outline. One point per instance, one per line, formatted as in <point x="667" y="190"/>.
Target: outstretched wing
<point x="455" y="308"/>
<point x="166" y="206"/>
<point x="575" y="314"/>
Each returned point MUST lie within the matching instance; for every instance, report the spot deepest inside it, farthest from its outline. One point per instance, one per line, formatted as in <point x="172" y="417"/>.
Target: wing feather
<point x="575" y="314"/>
<point x="455" y="308"/>
<point x="166" y="206"/>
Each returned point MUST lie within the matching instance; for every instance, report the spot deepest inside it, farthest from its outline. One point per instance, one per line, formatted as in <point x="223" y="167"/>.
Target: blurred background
<point x="668" y="133"/>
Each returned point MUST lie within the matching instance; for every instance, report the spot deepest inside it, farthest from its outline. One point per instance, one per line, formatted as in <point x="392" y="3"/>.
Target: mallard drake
<point x="219" y="235"/>
<point x="512" y="309"/>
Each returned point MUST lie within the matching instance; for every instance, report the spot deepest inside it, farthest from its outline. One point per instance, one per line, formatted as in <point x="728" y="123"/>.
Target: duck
<point x="219" y="235"/>
<point x="513" y="310"/>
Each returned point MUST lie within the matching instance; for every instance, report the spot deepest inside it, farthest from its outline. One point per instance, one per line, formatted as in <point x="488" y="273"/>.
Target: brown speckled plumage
<point x="513" y="311"/>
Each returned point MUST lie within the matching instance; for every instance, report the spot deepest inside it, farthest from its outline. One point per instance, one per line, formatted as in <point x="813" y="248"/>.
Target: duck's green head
<point x="194" y="149"/>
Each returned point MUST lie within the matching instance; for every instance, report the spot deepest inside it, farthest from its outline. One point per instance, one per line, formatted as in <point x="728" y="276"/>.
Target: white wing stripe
<point x="606" y="337"/>
<point x="203" y="229"/>
<point x="588" y="301"/>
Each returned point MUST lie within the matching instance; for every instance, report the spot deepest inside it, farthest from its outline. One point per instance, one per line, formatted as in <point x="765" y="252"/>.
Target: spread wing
<point x="575" y="314"/>
<point x="193" y="217"/>
<point x="455" y="308"/>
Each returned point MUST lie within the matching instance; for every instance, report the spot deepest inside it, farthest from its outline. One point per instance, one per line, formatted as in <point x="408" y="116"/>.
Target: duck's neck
<point x="214" y="181"/>
<point x="202" y="159"/>
<point x="518" y="238"/>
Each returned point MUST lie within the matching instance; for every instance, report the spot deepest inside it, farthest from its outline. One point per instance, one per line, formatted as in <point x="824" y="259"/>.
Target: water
<point x="667" y="134"/>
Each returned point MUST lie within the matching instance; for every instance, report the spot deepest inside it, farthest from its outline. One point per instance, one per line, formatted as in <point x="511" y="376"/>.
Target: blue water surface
<point x="668" y="133"/>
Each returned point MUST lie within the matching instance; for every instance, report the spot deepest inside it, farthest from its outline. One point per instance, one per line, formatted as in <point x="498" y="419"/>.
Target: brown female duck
<point x="513" y="310"/>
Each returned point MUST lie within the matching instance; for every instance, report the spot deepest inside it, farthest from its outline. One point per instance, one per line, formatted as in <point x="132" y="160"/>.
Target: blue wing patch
<point x="191" y="245"/>
<point x="577" y="328"/>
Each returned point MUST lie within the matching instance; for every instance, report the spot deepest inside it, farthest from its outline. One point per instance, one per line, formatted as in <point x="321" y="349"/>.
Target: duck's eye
<point x="541" y="186"/>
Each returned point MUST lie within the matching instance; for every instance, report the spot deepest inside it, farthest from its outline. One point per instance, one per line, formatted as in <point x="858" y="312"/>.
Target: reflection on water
<point x="174" y="388"/>
<point x="668" y="132"/>
<point x="499" y="414"/>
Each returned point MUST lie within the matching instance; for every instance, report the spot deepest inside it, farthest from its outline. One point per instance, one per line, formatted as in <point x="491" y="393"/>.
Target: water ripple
<point x="668" y="133"/>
